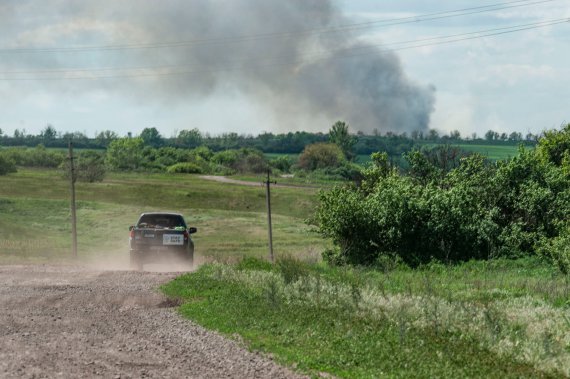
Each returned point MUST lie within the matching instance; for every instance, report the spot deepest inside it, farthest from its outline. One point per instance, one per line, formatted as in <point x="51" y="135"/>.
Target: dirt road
<point x="225" y="179"/>
<point x="60" y="321"/>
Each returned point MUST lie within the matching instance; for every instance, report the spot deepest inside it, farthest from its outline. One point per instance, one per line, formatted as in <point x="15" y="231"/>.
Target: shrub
<point x="242" y="160"/>
<point x="320" y="156"/>
<point x="125" y="154"/>
<point x="36" y="157"/>
<point x="282" y="163"/>
<point x="6" y="165"/>
<point x="558" y="249"/>
<point x="184" y="168"/>
<point x="477" y="210"/>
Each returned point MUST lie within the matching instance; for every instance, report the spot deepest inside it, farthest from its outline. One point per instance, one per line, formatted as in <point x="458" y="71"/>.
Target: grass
<point x="478" y="319"/>
<point x="493" y="152"/>
<point x="231" y="219"/>
<point x="356" y="323"/>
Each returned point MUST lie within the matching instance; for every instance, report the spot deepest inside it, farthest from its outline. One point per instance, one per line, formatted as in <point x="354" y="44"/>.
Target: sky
<point x="253" y="66"/>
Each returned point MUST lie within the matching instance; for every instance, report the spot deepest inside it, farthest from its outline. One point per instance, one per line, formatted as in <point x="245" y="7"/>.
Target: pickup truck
<point x="158" y="237"/>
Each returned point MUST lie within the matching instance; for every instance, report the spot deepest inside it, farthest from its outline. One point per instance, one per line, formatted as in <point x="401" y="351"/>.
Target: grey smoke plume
<point x="298" y="76"/>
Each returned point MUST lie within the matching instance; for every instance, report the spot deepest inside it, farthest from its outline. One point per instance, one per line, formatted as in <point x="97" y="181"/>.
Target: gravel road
<point x="62" y="321"/>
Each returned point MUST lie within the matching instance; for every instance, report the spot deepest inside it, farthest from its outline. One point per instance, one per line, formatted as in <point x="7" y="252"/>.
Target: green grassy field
<point x="34" y="215"/>
<point x="493" y="152"/>
<point x="501" y="319"/>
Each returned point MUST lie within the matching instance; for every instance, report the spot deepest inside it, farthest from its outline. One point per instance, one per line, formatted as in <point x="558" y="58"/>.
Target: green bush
<point x="242" y="160"/>
<point x="6" y="165"/>
<point x="321" y="156"/>
<point x="282" y="163"/>
<point x="184" y="168"/>
<point x="558" y="249"/>
<point x="36" y="157"/>
<point x="477" y="210"/>
<point x="125" y="154"/>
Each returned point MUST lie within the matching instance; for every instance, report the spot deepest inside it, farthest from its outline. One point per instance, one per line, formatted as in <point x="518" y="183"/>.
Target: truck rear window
<point x="161" y="221"/>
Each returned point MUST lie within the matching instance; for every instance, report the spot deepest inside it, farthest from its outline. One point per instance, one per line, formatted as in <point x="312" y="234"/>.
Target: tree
<point x="49" y="133"/>
<point x="433" y="135"/>
<point x="455" y="135"/>
<point x="189" y="138"/>
<point x="125" y="154"/>
<point x="555" y="145"/>
<point x="151" y="137"/>
<point x="515" y="136"/>
<point x="106" y="137"/>
<point x="490" y="135"/>
<point x="321" y="155"/>
<point x="339" y="135"/>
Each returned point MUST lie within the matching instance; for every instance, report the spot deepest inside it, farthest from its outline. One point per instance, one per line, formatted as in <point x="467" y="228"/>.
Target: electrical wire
<point x="324" y="55"/>
<point x="253" y="37"/>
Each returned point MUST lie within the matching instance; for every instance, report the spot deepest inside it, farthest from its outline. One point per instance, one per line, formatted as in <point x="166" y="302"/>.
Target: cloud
<point x="298" y="76"/>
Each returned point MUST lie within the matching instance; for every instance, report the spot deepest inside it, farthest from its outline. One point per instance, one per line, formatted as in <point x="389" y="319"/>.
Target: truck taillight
<point x="132" y="234"/>
<point x="186" y="235"/>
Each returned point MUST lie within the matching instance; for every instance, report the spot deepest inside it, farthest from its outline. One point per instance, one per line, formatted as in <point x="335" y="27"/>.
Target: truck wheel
<point x="136" y="261"/>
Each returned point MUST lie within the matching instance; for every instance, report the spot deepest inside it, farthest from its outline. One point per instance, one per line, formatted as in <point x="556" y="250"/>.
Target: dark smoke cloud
<point x="300" y="76"/>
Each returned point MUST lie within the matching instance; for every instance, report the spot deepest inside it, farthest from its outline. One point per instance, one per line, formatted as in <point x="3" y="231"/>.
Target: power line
<point x="368" y="46"/>
<point x="253" y="37"/>
<point x="378" y="48"/>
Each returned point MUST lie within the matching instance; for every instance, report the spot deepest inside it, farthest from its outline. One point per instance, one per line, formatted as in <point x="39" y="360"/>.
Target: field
<point x="231" y="219"/>
<point x="477" y="319"/>
<point x="493" y="152"/>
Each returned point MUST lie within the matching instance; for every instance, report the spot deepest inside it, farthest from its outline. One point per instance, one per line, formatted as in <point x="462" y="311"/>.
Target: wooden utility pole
<point x="268" y="196"/>
<point x="72" y="178"/>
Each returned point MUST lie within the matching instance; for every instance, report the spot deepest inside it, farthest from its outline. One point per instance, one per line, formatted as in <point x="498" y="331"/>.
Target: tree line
<point x="285" y="143"/>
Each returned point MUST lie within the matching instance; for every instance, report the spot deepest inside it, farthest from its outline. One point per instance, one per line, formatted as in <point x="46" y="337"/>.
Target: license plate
<point x="173" y="239"/>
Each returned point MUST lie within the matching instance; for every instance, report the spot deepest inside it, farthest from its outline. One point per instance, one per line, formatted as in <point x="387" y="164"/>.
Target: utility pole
<point x="268" y="196"/>
<point x="72" y="178"/>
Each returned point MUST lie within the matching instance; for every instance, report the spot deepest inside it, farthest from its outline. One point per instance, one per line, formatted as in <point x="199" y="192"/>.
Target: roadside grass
<point x="231" y="219"/>
<point x="350" y="323"/>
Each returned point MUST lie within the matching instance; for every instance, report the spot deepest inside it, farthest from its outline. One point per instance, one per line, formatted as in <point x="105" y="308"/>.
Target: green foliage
<point x="184" y="168"/>
<point x="554" y="145"/>
<point x="104" y="138"/>
<point x="242" y="161"/>
<point x="340" y="136"/>
<point x="189" y="138"/>
<point x="39" y="156"/>
<point x="558" y="249"/>
<point x="6" y="165"/>
<point x="125" y="154"/>
<point x="320" y="156"/>
<point x="151" y="137"/>
<point x="282" y="163"/>
<point x="474" y="210"/>
<point x="49" y="133"/>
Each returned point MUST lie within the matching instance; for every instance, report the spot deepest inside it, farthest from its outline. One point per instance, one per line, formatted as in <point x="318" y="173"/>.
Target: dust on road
<point x="71" y="321"/>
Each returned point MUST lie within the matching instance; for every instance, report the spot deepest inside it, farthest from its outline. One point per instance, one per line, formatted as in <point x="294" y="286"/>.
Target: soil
<point x="225" y="179"/>
<point x="74" y="321"/>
